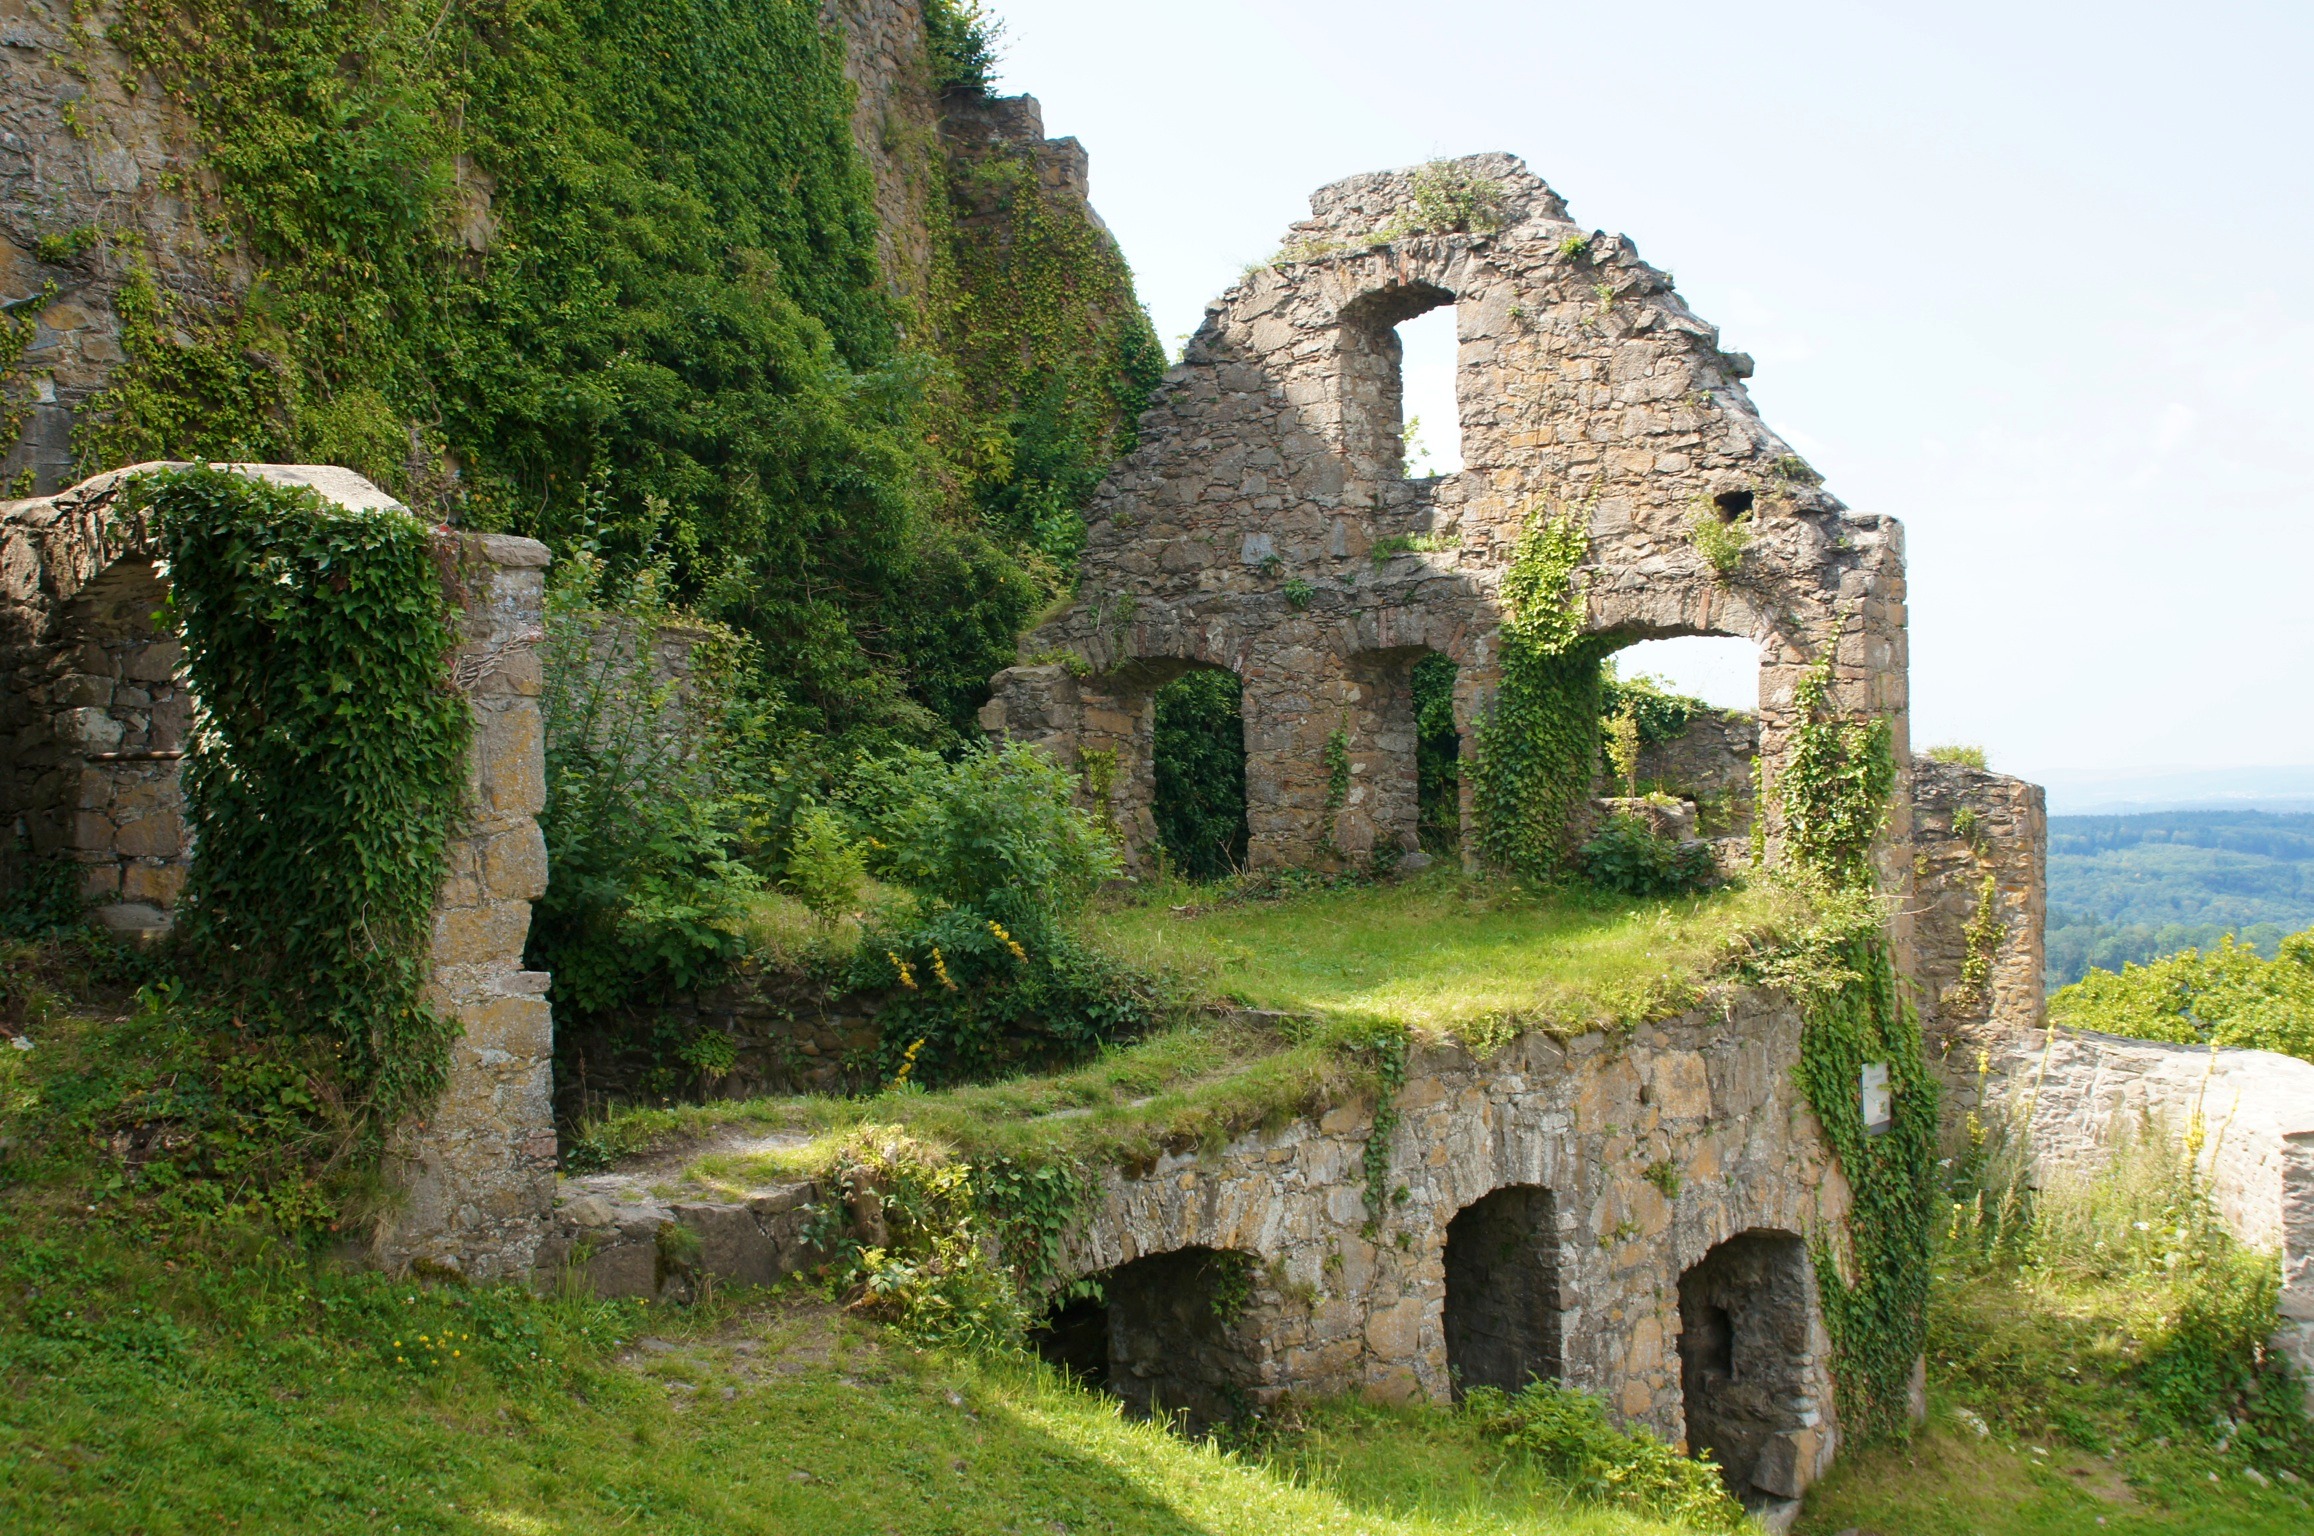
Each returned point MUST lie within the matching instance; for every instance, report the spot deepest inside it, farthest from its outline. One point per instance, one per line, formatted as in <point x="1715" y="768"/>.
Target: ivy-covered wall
<point x="691" y="282"/>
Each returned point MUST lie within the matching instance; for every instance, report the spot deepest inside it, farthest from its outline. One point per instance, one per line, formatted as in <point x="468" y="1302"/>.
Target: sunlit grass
<point x="1448" y="955"/>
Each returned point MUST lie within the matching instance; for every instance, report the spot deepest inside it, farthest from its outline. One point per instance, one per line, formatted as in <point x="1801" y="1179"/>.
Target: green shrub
<point x="987" y="975"/>
<point x="645" y="808"/>
<point x="997" y="819"/>
<point x="1967" y="757"/>
<point x="1630" y="858"/>
<point x="824" y="865"/>
<point x="1566" y="1434"/>
<point x="2225" y="996"/>
<point x="1437" y="756"/>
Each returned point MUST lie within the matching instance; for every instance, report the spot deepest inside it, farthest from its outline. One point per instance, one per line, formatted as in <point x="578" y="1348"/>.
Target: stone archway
<point x="1748" y="1364"/>
<point x="1168" y="1334"/>
<point x="1502" y="1315"/>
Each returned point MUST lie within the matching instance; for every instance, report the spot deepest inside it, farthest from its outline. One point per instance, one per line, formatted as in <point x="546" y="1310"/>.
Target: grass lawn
<point x="1284" y="996"/>
<point x="273" y="1399"/>
<point x="1448" y="955"/>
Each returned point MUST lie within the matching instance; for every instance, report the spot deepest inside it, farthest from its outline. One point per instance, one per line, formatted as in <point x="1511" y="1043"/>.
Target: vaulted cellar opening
<point x="1167" y="1334"/>
<point x="1744" y="1359"/>
<point x="1199" y="766"/>
<point x="1502" y="1291"/>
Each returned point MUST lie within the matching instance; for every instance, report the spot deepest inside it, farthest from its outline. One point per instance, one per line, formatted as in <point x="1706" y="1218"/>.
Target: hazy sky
<point x="2038" y="279"/>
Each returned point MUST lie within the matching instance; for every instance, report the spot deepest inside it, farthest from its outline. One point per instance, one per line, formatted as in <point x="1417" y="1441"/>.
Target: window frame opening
<point x="1197" y="763"/>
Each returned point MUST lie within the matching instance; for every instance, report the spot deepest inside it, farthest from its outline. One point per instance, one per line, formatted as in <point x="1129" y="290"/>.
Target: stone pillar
<point x="477" y="1174"/>
<point x="1971" y="827"/>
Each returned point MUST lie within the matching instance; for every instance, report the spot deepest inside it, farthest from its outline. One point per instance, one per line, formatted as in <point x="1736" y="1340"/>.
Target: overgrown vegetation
<point x="2228" y="996"/>
<point x="514" y="264"/>
<point x="1539" y="747"/>
<point x="328" y="770"/>
<point x="985" y="973"/>
<point x="1199" y="761"/>
<point x="1874" y="1273"/>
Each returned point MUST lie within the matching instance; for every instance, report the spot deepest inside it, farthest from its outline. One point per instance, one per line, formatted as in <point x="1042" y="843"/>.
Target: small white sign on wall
<point x="1873" y="1099"/>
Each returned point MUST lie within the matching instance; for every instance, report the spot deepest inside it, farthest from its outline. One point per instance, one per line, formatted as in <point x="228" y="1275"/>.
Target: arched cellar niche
<point x="1502" y="1291"/>
<point x="1170" y="1335"/>
<point x="1198" y="770"/>
<point x="1693" y="706"/>
<point x="1747" y="1372"/>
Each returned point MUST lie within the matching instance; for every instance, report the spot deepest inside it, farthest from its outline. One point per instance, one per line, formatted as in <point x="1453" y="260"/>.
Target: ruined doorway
<point x="1502" y="1291"/>
<point x="1169" y="1335"/>
<point x="1437" y="759"/>
<point x="1744" y="1362"/>
<point x="1199" y="767"/>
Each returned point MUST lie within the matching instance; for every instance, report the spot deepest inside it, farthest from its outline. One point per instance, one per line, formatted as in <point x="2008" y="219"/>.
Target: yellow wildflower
<point x="907" y="977"/>
<point x="1007" y="940"/>
<point x="940" y="969"/>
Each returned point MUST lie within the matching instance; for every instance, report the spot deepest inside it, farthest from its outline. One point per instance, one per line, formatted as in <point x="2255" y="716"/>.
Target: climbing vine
<point x="1389" y="1048"/>
<point x="326" y="772"/>
<point x="1834" y="792"/>
<point x="1980" y="937"/>
<point x="1539" y="746"/>
<point x="514" y="263"/>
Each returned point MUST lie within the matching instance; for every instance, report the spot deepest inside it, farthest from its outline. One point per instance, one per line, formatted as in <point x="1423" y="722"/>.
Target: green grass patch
<point x="1446" y="955"/>
<point x="1282" y="999"/>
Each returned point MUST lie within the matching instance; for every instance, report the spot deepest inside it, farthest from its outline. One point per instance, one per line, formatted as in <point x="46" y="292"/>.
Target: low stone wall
<point x="1653" y="1149"/>
<point x="789" y="1036"/>
<point x="2072" y="1094"/>
<point x="1551" y="1210"/>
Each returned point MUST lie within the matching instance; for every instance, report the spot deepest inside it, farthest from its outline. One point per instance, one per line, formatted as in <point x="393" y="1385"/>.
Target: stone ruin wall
<point x="1707" y="1099"/>
<point x="95" y="709"/>
<point x="1242" y="533"/>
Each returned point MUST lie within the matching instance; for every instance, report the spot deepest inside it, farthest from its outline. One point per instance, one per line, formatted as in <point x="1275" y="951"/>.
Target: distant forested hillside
<point x="2125" y="888"/>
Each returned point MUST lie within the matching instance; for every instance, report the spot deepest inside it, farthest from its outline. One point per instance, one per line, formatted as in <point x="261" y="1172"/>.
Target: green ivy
<point x="1538" y="748"/>
<point x="605" y="272"/>
<point x="1835" y="786"/>
<point x="1199" y="762"/>
<point x="328" y="770"/>
<point x="1437" y="756"/>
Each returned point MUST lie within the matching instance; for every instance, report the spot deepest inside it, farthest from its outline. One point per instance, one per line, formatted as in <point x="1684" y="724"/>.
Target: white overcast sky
<point x="2036" y="278"/>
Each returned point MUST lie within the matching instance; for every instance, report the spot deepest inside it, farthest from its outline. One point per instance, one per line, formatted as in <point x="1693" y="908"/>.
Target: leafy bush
<point x="1566" y="1434"/>
<point x="1966" y="757"/>
<point x="915" y="1250"/>
<point x="996" y="826"/>
<point x="645" y="804"/>
<point x="987" y="974"/>
<point x="824" y="866"/>
<point x="2225" y="996"/>
<point x="1631" y="858"/>
<point x="1437" y="756"/>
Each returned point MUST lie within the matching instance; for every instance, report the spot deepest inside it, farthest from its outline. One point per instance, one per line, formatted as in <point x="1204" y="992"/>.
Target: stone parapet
<point x="2074" y="1095"/>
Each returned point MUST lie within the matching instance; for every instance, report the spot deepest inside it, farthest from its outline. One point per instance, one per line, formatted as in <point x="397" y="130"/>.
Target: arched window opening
<point x="1744" y="1365"/>
<point x="1199" y="767"/>
<point x="1679" y="719"/>
<point x="1432" y="433"/>
<point x="1168" y="1334"/>
<point x="1437" y="758"/>
<point x="1502" y="1291"/>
